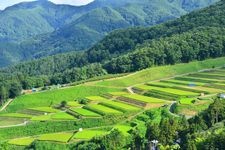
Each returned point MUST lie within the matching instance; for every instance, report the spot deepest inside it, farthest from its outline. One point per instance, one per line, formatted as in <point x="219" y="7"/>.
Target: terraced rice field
<point x="180" y="82"/>
<point x="73" y="104"/>
<point x="144" y="99"/>
<point x="85" y="112"/>
<point x="103" y="109"/>
<point x="169" y="90"/>
<point x="118" y="93"/>
<point x="208" y="75"/>
<point x="8" y="121"/>
<point x="195" y="79"/>
<point x="120" y="106"/>
<point x="54" y="116"/>
<point x="88" y="134"/>
<point x="62" y="116"/>
<point x="21" y="141"/>
<point x="187" y="101"/>
<point x="209" y="90"/>
<point x="161" y="84"/>
<point x="41" y="118"/>
<point x="96" y="98"/>
<point x="16" y="115"/>
<point x="45" y="109"/>
<point x="56" y="137"/>
<point x="192" y="85"/>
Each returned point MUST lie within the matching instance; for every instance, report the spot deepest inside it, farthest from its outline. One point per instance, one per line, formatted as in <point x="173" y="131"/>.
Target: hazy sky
<point x="6" y="3"/>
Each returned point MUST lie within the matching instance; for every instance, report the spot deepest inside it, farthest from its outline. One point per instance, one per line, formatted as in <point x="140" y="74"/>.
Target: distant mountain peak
<point x="27" y="5"/>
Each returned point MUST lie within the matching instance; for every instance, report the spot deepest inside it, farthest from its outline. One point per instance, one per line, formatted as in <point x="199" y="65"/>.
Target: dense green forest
<point x="48" y="29"/>
<point x="196" y="36"/>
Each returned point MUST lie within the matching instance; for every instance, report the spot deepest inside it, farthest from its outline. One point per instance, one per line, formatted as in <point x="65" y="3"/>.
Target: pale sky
<point x="6" y="3"/>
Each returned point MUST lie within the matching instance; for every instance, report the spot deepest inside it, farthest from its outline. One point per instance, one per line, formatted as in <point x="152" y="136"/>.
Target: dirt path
<point x="6" y="105"/>
<point x="130" y="90"/>
<point x="16" y="125"/>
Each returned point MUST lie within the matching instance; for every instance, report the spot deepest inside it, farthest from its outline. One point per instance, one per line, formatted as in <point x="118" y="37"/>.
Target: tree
<point x="3" y="94"/>
<point x="63" y="104"/>
<point x="152" y="132"/>
<point x="216" y="111"/>
<point x="15" y="89"/>
<point x="114" y="141"/>
<point x="137" y="140"/>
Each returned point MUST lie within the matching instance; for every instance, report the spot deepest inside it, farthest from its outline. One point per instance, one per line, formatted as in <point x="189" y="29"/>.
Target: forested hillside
<point x="196" y="36"/>
<point x="46" y="29"/>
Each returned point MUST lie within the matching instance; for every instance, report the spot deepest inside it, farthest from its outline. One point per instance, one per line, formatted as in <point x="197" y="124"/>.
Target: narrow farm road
<point x="16" y="125"/>
<point x="6" y="105"/>
<point x="130" y="90"/>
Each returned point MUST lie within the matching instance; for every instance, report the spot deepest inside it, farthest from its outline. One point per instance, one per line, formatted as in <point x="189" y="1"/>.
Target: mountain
<point x="41" y="28"/>
<point x="196" y="36"/>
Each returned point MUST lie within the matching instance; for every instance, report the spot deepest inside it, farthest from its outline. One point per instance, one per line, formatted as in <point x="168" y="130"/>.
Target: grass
<point x="56" y="137"/>
<point x="62" y="116"/>
<point x="120" y="106"/>
<point x="103" y="109"/>
<point x="145" y="99"/>
<point x="157" y="73"/>
<point x="22" y="141"/>
<point x="89" y="134"/>
<point x="49" y="98"/>
<point x="85" y="112"/>
<point x="45" y="109"/>
<point x="16" y="115"/>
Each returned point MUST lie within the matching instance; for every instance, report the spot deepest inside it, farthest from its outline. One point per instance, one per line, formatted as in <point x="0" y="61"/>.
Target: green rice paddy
<point x="89" y="134"/>
<point x="56" y="137"/>
<point x="21" y="141"/>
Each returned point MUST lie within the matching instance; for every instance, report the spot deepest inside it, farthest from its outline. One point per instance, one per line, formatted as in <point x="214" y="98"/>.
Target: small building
<point x="222" y="96"/>
<point x="34" y="90"/>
